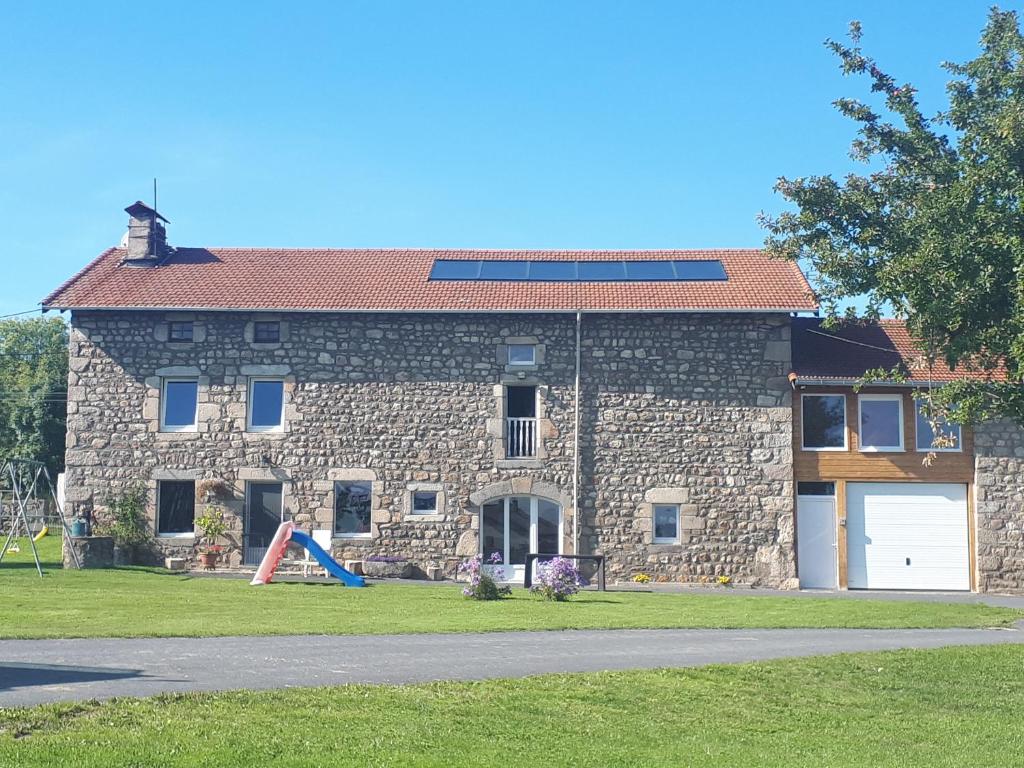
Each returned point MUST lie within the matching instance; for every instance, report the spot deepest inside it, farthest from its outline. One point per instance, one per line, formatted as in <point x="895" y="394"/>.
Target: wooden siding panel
<point x="851" y="464"/>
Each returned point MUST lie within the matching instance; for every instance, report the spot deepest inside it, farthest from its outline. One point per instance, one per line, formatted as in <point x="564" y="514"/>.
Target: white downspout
<point x="576" y="447"/>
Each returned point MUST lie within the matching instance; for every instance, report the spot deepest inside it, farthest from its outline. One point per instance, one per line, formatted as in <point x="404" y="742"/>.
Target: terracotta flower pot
<point x="209" y="560"/>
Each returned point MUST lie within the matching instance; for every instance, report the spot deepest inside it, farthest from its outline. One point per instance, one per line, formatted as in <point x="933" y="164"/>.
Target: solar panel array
<point x="577" y="271"/>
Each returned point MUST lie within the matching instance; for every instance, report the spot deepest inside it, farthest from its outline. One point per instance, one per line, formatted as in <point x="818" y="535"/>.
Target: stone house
<point x="435" y="404"/>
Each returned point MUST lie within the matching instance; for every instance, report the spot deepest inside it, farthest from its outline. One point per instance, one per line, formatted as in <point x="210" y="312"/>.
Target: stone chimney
<point x="147" y="237"/>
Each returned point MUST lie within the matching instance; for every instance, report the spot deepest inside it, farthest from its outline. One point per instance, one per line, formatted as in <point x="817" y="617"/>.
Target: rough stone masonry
<point x="688" y="409"/>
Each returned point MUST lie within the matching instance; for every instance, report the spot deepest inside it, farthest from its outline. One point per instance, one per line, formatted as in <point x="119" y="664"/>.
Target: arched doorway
<point x="514" y="526"/>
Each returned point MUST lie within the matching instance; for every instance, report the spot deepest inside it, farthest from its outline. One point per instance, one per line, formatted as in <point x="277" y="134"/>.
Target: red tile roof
<point x="305" y="279"/>
<point x="845" y="352"/>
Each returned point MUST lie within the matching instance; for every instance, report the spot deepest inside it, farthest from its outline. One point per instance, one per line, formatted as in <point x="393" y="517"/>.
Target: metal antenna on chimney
<point x="154" y="195"/>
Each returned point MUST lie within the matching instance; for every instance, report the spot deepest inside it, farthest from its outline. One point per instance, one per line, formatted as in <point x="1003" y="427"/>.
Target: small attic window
<point x="181" y="331"/>
<point x="266" y="331"/>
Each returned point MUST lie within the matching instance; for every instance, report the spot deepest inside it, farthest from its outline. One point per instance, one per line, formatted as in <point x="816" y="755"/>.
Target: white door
<point x="907" y="536"/>
<point x="513" y="527"/>
<point x="816" y="542"/>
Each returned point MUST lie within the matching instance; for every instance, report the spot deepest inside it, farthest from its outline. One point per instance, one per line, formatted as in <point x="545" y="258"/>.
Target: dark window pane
<point x="518" y="529"/>
<point x="352" y="508"/>
<point x="264" y="513"/>
<point x="824" y="421"/>
<point x="563" y="271"/>
<point x="455" y="269"/>
<point x="879" y="423"/>
<point x="700" y="270"/>
<point x="424" y="502"/>
<point x="180" y="331"/>
<point x="492" y="529"/>
<point x="816" y="489"/>
<point x="547" y="527"/>
<point x="266" y="332"/>
<point x="177" y="506"/>
<point x="650" y="270"/>
<point x="950" y="434"/>
<point x="666" y="522"/>
<point x="503" y="270"/>
<point x="521" y="402"/>
<point x="267" y="403"/>
<point x="180" y="399"/>
<point x="601" y="270"/>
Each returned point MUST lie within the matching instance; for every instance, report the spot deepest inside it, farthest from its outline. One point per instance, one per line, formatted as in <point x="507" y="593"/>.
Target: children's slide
<point x="286" y="533"/>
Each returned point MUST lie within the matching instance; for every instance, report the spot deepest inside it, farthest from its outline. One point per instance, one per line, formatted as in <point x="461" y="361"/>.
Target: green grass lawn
<point x="950" y="707"/>
<point x="139" y="602"/>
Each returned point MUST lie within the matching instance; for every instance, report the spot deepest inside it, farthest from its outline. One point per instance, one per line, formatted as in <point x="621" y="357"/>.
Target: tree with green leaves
<point x="933" y="231"/>
<point x="33" y="390"/>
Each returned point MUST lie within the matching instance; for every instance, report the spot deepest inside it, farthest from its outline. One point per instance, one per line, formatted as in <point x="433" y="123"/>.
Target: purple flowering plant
<point x="557" y="579"/>
<point x="482" y="585"/>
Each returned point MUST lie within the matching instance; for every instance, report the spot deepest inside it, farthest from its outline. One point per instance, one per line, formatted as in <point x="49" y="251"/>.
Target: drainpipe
<point x="576" y="447"/>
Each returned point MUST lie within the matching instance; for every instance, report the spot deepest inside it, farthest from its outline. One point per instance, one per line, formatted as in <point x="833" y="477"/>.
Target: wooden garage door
<point x="907" y="536"/>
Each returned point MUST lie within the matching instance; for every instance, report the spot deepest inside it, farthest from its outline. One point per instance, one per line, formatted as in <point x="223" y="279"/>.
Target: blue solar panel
<point x="503" y="270"/>
<point x="650" y="270"/>
<point x="646" y="270"/>
<point x="559" y="271"/>
<point x="602" y="270"/>
<point x="451" y="269"/>
<point x="700" y="270"/>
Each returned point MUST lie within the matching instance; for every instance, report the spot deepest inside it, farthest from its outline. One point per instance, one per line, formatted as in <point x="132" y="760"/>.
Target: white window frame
<point x="654" y="520"/>
<point x="846" y="430"/>
<point x="929" y="449"/>
<point x="861" y="399"/>
<point x="249" y="427"/>
<point x="412" y="503"/>
<point x="533" y="354"/>
<point x="184" y="535"/>
<point x="194" y="426"/>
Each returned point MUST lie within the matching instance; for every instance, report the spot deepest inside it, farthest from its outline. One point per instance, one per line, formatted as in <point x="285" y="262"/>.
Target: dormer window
<point x="181" y="331"/>
<point x="266" y="332"/>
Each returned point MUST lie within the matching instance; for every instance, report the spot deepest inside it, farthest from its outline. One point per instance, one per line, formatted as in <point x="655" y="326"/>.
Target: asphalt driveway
<point x="38" y="671"/>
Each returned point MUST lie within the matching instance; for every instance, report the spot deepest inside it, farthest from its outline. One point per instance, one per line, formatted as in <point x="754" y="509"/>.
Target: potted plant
<point x="212" y="526"/>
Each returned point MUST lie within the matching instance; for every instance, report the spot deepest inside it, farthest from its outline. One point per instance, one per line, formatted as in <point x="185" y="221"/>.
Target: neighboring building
<point x="871" y="512"/>
<point x="434" y="404"/>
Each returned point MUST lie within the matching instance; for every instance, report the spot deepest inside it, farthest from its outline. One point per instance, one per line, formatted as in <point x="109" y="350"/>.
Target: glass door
<point x="264" y="511"/>
<point x="516" y="526"/>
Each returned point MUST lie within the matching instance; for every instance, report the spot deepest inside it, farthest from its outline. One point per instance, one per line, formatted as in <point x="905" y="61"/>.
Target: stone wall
<point x="999" y="506"/>
<point x="695" y="403"/>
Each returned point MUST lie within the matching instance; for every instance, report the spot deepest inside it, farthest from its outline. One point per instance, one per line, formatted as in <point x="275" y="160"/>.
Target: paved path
<point x="37" y="671"/>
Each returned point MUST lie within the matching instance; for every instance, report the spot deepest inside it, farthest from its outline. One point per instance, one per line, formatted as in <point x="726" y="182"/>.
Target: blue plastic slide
<point x="348" y="578"/>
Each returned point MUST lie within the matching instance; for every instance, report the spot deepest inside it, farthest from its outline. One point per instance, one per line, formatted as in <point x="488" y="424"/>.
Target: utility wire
<point x="26" y="312"/>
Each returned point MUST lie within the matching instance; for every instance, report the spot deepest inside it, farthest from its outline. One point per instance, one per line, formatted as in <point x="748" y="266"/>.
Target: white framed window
<point x="666" y="524"/>
<point x="266" y="405"/>
<point x="179" y="400"/>
<point x="522" y="354"/>
<point x="823" y="422"/>
<point x="424" y="502"/>
<point x="352" y="506"/>
<point x="176" y="508"/>
<point x="926" y="435"/>
<point x="881" y="422"/>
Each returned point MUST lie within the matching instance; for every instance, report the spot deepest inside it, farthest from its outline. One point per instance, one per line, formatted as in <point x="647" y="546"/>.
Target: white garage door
<point x="907" y="536"/>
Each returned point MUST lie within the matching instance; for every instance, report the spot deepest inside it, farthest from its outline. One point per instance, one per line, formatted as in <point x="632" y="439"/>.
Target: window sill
<point x="825" y="450"/>
<point x="423" y="519"/>
<point x="939" y="450"/>
<point x="881" y="450"/>
<point x="519" y="464"/>
<point x="179" y="536"/>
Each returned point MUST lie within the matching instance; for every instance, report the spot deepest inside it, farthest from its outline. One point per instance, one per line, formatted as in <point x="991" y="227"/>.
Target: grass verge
<point x="138" y="602"/>
<point x="948" y="707"/>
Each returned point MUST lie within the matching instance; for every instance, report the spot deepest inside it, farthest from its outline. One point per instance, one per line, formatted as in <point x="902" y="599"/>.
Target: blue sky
<point x="518" y="124"/>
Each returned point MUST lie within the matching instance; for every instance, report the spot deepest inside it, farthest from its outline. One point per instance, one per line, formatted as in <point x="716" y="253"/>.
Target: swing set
<point x="29" y="506"/>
